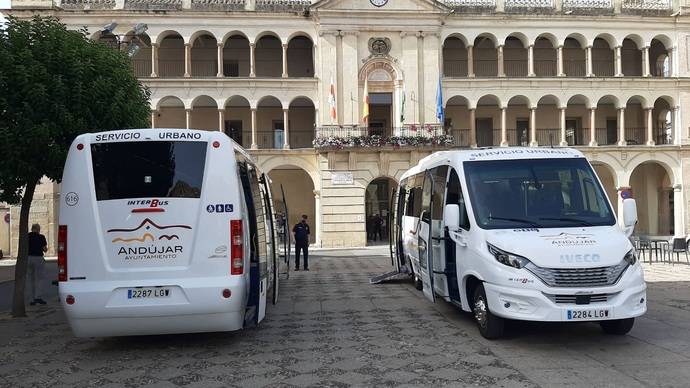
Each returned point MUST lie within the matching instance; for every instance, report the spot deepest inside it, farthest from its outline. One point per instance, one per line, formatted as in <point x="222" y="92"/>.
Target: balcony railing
<point x="605" y="136"/>
<point x="588" y="6"/>
<point x="471" y="4"/>
<point x="529" y="4"/>
<point x="461" y="137"/>
<point x="87" y="4"/>
<point x="488" y="137"/>
<point x="635" y="136"/>
<point x="655" y="5"/>
<point x="218" y="5"/>
<point x="282" y="5"/>
<point x="548" y="136"/>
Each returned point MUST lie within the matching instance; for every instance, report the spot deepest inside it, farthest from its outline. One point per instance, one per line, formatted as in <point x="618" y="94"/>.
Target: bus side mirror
<point x="629" y="216"/>
<point x="451" y="216"/>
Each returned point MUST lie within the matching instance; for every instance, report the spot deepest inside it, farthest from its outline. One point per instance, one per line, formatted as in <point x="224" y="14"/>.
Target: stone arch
<point x="273" y="162"/>
<point x="380" y="64"/>
<point x="157" y="103"/>
<point x="652" y="183"/>
<point x="303" y="34"/>
<point x="201" y="33"/>
<point x="377" y="194"/>
<point x="519" y="36"/>
<point x="232" y="33"/>
<point x="300" y="194"/>
<point x="164" y="34"/>
<point x="458" y="36"/>
<point x="550" y="37"/>
<point x="664" y="160"/>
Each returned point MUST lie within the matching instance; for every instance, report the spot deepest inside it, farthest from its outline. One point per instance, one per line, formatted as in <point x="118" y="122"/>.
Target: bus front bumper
<point x="560" y="306"/>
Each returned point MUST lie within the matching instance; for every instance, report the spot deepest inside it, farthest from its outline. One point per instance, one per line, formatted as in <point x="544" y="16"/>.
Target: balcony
<point x="472" y="5"/>
<point x="217" y="5"/>
<point x="646" y="7"/>
<point x="336" y="137"/>
<point x="530" y="6"/>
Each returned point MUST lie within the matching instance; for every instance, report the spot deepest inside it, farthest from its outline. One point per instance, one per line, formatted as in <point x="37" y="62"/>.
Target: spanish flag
<point x="365" y="103"/>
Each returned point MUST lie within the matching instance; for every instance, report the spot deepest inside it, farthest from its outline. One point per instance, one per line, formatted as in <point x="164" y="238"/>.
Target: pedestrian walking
<point x="301" y="233"/>
<point x="37" y="247"/>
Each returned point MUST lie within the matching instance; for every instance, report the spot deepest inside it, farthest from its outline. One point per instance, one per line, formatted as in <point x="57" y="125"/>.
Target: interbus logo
<point x="154" y="205"/>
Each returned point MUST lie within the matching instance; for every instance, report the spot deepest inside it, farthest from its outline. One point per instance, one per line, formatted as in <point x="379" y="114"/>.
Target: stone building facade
<point x="609" y="77"/>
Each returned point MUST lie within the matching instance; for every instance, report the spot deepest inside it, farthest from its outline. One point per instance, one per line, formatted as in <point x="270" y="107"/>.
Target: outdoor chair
<point x="644" y="246"/>
<point x="677" y="246"/>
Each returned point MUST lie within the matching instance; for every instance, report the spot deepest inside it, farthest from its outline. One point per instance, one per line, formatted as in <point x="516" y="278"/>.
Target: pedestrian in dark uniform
<point x="301" y="232"/>
<point x="37" y="247"/>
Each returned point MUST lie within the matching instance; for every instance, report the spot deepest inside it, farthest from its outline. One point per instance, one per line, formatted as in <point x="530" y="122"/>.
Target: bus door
<point x="424" y="239"/>
<point x="273" y="263"/>
<point x="438" y="193"/>
<point x="287" y="237"/>
<point x="392" y="232"/>
<point x="258" y="254"/>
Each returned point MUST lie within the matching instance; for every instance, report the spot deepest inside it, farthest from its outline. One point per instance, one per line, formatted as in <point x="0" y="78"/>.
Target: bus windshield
<point x="536" y="193"/>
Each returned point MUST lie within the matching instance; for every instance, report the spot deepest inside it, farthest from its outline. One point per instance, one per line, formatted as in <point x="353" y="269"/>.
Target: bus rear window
<point x="148" y="169"/>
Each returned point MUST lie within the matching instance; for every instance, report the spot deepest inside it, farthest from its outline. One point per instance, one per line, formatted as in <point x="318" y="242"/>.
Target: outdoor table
<point x="657" y="244"/>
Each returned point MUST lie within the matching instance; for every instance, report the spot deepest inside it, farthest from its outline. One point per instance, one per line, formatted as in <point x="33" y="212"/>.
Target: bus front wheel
<point x="490" y="325"/>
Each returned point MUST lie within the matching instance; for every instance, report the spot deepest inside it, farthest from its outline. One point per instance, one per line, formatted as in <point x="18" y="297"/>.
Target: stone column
<point x="154" y="60"/>
<point x="220" y="60"/>
<point x="153" y="118"/>
<point x="650" y="128"/>
<point x="563" y="142"/>
<point x="533" y="127"/>
<point x="621" y="127"/>
<point x="286" y="130"/>
<point x="645" y="62"/>
<point x="254" y="145"/>
<point x="252" y="61"/>
<point x="678" y="211"/>
<point x="588" y="56"/>
<point x="504" y="130"/>
<point x="187" y="60"/>
<point x="317" y="215"/>
<point x="671" y="62"/>
<point x="221" y="120"/>
<point x="619" y="62"/>
<point x="470" y="61"/>
<point x="501" y="69"/>
<point x="188" y="118"/>
<point x="530" y="61"/>
<point x="473" y="127"/>
<point x="593" y="127"/>
<point x="675" y="124"/>
<point x="285" y="69"/>
<point x="559" y="54"/>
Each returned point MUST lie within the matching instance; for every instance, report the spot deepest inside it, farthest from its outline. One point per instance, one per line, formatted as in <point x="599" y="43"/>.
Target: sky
<point x="4" y="4"/>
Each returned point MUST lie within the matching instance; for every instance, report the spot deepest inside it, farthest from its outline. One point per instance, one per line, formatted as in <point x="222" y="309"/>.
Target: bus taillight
<point x="62" y="253"/>
<point x="236" y="251"/>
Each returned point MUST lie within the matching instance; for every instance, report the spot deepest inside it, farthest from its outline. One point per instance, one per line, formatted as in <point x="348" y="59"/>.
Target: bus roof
<point x="486" y="154"/>
<point x="173" y="134"/>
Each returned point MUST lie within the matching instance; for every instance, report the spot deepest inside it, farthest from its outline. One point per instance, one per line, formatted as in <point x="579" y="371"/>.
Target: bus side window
<point x="439" y="173"/>
<point x="455" y="197"/>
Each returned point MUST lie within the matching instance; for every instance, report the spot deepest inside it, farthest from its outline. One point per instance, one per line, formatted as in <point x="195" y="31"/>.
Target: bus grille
<point x="579" y="299"/>
<point x="580" y="277"/>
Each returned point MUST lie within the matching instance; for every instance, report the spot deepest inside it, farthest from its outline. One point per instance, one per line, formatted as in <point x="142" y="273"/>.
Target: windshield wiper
<point x="583" y="222"/>
<point x="524" y="221"/>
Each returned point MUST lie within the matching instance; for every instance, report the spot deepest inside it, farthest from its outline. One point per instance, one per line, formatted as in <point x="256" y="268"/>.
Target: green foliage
<point x="54" y="85"/>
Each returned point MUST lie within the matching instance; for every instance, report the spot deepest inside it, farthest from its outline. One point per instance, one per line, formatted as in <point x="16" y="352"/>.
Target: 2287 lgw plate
<point x="148" y="292"/>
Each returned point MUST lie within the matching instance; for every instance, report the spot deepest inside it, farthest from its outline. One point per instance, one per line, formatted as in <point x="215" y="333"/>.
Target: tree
<point x="54" y="85"/>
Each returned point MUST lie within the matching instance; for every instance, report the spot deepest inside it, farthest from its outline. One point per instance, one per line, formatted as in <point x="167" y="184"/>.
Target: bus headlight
<point x="631" y="257"/>
<point x="507" y="258"/>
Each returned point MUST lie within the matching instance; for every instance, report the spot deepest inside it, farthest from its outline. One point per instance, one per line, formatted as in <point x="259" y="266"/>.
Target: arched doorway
<point x="381" y="88"/>
<point x="652" y="189"/>
<point x="377" y="199"/>
<point x="299" y="195"/>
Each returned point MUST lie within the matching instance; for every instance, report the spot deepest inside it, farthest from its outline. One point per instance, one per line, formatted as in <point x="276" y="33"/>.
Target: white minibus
<point x="164" y="231"/>
<point x="518" y="233"/>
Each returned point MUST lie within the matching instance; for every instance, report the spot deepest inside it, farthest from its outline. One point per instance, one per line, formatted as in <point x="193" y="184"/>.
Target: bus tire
<point x="490" y="326"/>
<point x="617" y="326"/>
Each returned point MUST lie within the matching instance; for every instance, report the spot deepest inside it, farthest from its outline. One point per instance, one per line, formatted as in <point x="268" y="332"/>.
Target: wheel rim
<point x="480" y="311"/>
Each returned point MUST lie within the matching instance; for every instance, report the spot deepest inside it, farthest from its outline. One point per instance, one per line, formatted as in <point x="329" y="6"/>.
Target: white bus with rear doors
<point x="164" y="231"/>
<point x="518" y="233"/>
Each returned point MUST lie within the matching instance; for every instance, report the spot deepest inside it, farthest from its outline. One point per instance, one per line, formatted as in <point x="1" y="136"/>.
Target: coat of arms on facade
<point x="379" y="46"/>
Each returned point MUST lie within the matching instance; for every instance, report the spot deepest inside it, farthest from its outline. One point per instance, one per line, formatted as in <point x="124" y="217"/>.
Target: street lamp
<point x="115" y="41"/>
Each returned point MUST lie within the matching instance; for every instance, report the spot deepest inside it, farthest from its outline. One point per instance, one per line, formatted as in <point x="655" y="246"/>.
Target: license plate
<point x="588" y="315"/>
<point x="150" y="292"/>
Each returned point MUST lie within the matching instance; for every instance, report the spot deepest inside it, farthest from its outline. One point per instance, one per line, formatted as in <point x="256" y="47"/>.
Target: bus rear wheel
<point x="490" y="325"/>
<point x="617" y="326"/>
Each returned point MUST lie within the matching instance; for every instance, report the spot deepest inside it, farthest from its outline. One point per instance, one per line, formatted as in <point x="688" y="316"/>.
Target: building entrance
<point x="381" y="114"/>
<point x="377" y="208"/>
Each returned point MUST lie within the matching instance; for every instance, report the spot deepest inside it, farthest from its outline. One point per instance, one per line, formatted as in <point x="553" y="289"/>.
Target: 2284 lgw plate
<point x="588" y="315"/>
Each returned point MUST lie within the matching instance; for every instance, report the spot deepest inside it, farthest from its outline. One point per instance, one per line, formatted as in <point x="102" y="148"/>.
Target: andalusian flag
<point x="365" y="103"/>
<point x="331" y="101"/>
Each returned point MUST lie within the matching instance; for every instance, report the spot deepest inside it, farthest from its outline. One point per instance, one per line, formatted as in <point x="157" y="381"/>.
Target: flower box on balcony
<point x="376" y="141"/>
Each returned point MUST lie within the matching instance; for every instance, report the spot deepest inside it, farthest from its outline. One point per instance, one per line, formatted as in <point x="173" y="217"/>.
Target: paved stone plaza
<point x="331" y="328"/>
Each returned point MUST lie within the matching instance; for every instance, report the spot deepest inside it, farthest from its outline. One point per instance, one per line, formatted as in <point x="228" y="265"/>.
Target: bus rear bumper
<point x="196" y="323"/>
